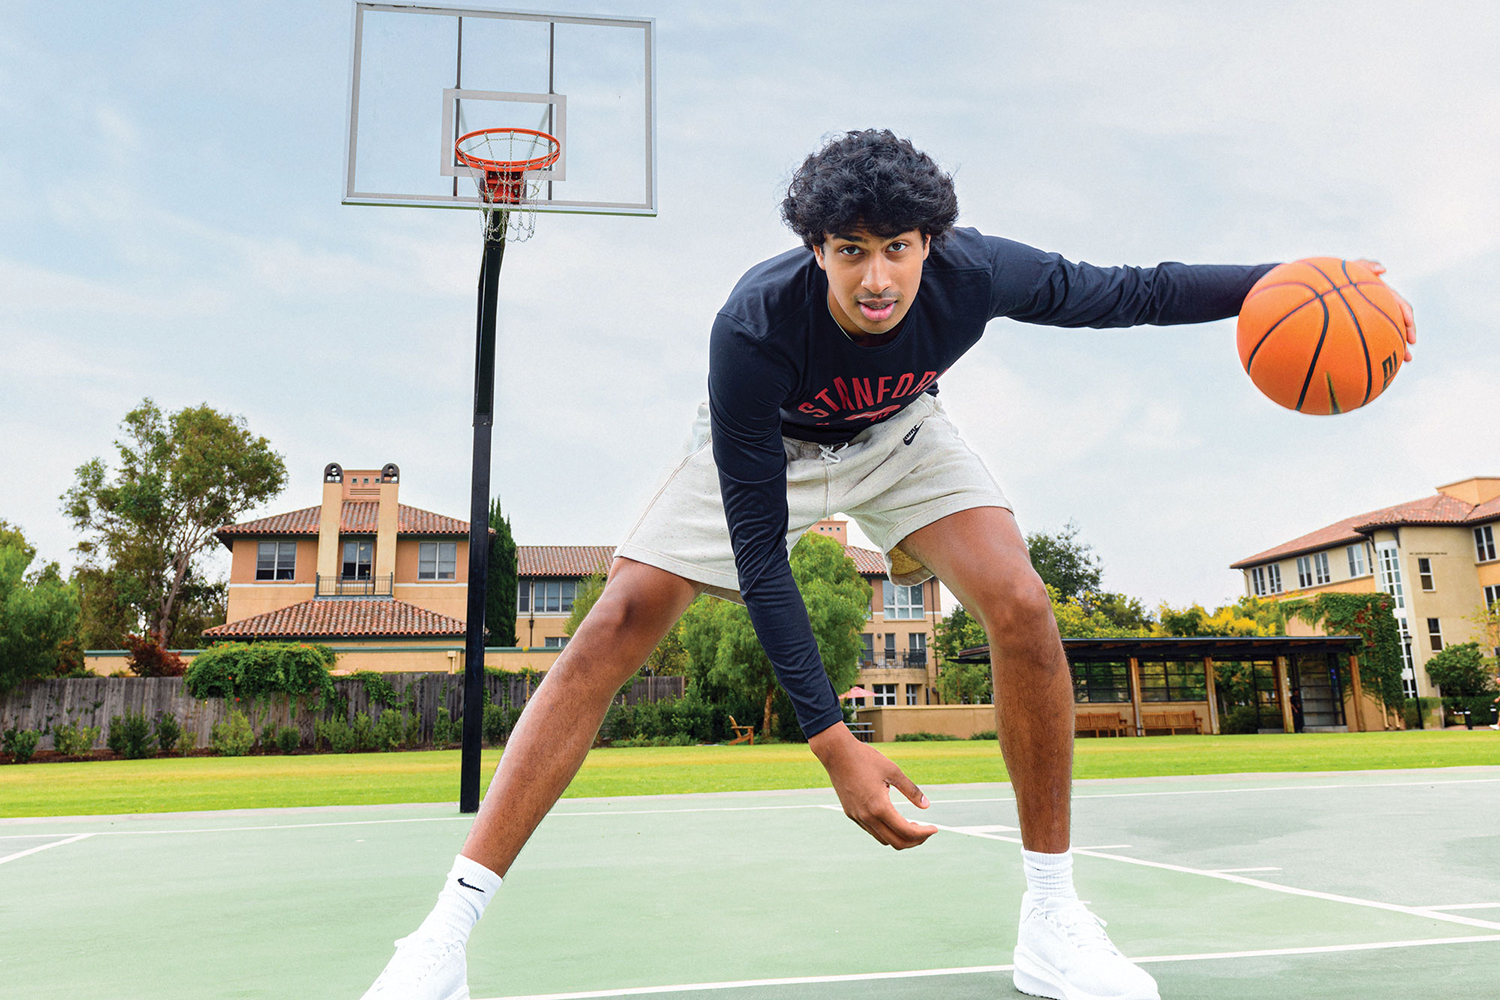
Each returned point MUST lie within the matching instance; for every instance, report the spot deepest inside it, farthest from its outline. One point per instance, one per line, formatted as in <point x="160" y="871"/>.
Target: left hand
<point x="1406" y="314"/>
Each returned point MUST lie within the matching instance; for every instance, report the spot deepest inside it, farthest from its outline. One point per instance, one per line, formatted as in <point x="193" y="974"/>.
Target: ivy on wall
<point x="1369" y="617"/>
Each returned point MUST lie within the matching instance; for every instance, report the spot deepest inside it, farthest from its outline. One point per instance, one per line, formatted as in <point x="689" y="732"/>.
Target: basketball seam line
<point x="1400" y="331"/>
<point x="1359" y="329"/>
<point x="1313" y="365"/>
<point x="1256" y="349"/>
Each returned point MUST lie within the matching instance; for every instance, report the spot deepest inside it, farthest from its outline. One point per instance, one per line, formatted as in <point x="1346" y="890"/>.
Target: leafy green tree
<point x="725" y="655"/>
<point x="1125" y="611"/>
<point x="1064" y="563"/>
<point x="38" y="612"/>
<point x="1462" y="671"/>
<point x="180" y="477"/>
<point x="500" y="587"/>
<point x="961" y="683"/>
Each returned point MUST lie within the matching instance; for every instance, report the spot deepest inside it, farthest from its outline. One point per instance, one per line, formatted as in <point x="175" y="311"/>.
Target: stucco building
<point x="1437" y="556"/>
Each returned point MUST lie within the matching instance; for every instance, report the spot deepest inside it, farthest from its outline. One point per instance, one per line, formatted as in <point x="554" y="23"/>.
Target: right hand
<point x="863" y="776"/>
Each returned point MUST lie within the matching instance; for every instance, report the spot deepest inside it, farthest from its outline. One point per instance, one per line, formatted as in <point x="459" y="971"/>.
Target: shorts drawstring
<point x="832" y="453"/>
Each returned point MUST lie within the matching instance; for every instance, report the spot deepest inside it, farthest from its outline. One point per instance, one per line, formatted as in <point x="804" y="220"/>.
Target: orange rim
<point x="507" y="166"/>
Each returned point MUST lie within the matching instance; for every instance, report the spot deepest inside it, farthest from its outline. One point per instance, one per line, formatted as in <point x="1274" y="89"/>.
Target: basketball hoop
<point x="504" y="162"/>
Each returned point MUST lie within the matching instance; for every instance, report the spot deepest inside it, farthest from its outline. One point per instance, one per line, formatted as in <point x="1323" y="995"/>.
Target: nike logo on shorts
<point x="467" y="885"/>
<point x="911" y="434"/>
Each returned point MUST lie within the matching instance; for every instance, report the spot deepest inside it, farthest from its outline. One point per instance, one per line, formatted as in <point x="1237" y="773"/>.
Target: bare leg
<point x="981" y="555"/>
<point x="639" y="604"/>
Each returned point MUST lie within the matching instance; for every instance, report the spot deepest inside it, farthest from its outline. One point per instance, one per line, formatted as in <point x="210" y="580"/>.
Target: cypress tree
<point x="500" y="595"/>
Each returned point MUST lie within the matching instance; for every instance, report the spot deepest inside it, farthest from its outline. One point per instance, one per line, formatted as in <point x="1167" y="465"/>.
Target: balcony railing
<point x="344" y="586"/>
<point x="889" y="661"/>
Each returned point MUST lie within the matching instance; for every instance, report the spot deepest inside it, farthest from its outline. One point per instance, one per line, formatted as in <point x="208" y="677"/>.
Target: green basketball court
<point x="1369" y="884"/>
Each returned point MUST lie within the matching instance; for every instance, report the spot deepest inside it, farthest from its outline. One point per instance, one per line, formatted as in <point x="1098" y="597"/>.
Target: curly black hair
<point x="871" y="180"/>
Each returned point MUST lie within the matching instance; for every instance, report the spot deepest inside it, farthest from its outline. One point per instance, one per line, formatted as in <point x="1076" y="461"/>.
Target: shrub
<point x="233" y="737"/>
<point x="149" y="659"/>
<point x="187" y="742"/>
<point x="74" y="740"/>
<point x="619" y="724"/>
<point x="1481" y="708"/>
<point x="1240" y="719"/>
<point x="268" y="734"/>
<point x="1461" y="671"/>
<point x="444" y="729"/>
<point x="130" y="736"/>
<point x="168" y="731"/>
<point x="986" y="734"/>
<point x="498" y="721"/>
<point x="20" y="743"/>
<point x="364" y="732"/>
<point x="923" y="737"/>
<point x="412" y="732"/>
<point x="693" y="717"/>
<point x="260" y="669"/>
<point x="288" y="739"/>
<point x="340" y="736"/>
<point x="388" y="729"/>
<point x="656" y="741"/>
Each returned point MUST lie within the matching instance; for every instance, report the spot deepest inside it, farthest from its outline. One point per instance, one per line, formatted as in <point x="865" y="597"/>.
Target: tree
<point x="180" y="477"/>
<point x="1124" y="611"/>
<point x="724" y="653"/>
<point x="1248" y="616"/>
<point x="1462" y="671"/>
<point x="38" y="612"/>
<point x="961" y="683"/>
<point x="1064" y="563"/>
<point x="501" y="584"/>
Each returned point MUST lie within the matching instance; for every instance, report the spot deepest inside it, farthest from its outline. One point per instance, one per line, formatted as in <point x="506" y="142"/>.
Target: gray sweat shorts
<point x="891" y="479"/>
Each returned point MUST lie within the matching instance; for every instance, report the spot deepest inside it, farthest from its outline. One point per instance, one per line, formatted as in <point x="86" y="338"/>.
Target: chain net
<point x="504" y="165"/>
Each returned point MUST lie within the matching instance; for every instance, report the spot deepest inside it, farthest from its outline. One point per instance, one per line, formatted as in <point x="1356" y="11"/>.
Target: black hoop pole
<point x="479" y="511"/>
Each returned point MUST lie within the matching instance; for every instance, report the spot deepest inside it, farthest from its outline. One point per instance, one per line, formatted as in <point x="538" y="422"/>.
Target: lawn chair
<point x="741" y="733"/>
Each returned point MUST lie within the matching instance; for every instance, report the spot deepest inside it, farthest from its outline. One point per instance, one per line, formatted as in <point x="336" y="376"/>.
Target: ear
<point x="926" y="245"/>
<point x="818" y="256"/>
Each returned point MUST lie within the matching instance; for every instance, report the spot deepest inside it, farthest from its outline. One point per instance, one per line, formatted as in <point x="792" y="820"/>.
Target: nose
<point x="877" y="277"/>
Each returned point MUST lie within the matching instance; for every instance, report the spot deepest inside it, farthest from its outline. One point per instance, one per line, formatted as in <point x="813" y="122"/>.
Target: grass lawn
<point x="174" y="784"/>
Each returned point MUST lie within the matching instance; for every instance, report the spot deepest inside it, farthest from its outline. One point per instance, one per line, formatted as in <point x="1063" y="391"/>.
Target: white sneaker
<point x="1063" y="953"/>
<point x="424" y="968"/>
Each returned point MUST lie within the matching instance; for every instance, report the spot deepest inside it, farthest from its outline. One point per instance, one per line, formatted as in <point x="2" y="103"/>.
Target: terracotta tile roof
<point x="867" y="561"/>
<point x="357" y="517"/>
<point x="340" y="617"/>
<point x="1436" y="509"/>
<point x="562" y="560"/>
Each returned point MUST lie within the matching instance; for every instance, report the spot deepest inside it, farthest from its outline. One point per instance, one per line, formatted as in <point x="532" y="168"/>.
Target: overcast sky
<point x="170" y="226"/>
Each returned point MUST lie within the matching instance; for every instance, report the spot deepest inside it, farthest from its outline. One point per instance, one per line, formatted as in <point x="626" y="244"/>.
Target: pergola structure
<point x="1163" y="673"/>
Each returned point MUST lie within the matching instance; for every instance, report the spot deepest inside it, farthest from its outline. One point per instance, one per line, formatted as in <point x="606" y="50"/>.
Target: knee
<point x="1015" y="609"/>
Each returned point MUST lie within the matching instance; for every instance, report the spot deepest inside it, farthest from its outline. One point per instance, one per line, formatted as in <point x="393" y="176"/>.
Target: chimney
<point x="1481" y="489"/>
<point x="385" y="530"/>
<point x="328" y="521"/>
<point x="835" y="529"/>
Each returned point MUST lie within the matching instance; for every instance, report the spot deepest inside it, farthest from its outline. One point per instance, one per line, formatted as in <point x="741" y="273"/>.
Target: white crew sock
<point x="1049" y="875"/>
<point x="468" y="891"/>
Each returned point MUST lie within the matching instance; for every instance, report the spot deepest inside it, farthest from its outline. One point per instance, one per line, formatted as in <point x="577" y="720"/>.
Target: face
<point x="872" y="280"/>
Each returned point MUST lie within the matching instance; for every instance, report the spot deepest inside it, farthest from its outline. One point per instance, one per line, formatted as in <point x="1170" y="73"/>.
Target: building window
<point x="885" y="694"/>
<point x="1357" y="566"/>
<point x="902" y="602"/>
<point x="1101" y="682"/>
<point x="546" y="597"/>
<point x="913" y="692"/>
<point x="890" y="649"/>
<point x="1312" y="571"/>
<point x="276" y="560"/>
<point x="1491" y="595"/>
<point x="1266" y="579"/>
<point x="358" y="558"/>
<point x="916" y="649"/>
<point x="1424" y="573"/>
<point x="1435" y="634"/>
<point x="437" y="561"/>
<point x="867" y="649"/>
<point x="1388" y="557"/>
<point x="1484" y="543"/>
<point x="1173" y="680"/>
<point x="555" y="641"/>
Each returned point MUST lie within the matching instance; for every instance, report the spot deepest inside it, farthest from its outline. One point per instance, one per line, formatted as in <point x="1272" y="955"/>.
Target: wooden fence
<point x="94" y="701"/>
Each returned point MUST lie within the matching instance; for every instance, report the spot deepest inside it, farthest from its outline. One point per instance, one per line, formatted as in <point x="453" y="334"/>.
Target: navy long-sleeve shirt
<point x="780" y="365"/>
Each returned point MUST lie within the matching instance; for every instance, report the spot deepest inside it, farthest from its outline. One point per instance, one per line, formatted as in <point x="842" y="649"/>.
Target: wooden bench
<point x="1100" y="723"/>
<point x="863" y="731"/>
<point x="741" y="733"/>
<point x="1185" y="720"/>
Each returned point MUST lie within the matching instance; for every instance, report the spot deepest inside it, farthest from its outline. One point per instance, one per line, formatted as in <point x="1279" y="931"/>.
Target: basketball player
<point x="822" y="386"/>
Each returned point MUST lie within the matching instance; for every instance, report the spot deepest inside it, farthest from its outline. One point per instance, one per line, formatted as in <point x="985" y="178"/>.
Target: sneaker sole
<point x="1037" y="978"/>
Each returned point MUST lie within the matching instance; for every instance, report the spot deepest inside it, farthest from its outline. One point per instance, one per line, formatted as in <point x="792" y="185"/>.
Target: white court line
<point x="1236" y="791"/>
<point x="1104" y="847"/>
<point x="980" y="969"/>
<point x="1463" y="906"/>
<point x="45" y="847"/>
<point x="1230" y="871"/>
<point x="1415" y="911"/>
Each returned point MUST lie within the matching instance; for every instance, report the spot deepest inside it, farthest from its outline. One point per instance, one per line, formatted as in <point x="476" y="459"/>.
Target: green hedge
<point x="257" y="670"/>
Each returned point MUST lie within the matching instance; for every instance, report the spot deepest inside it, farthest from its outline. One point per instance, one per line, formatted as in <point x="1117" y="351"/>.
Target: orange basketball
<point x="1321" y="335"/>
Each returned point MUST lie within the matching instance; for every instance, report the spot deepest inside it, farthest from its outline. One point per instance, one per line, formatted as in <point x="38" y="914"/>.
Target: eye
<point x="898" y="246"/>
<point x="848" y="250"/>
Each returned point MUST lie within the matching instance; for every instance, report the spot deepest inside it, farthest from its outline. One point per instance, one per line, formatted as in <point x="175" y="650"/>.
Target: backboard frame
<point x="463" y="197"/>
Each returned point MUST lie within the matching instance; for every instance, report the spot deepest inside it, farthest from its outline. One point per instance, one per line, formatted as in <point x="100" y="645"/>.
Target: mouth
<point x="877" y="310"/>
